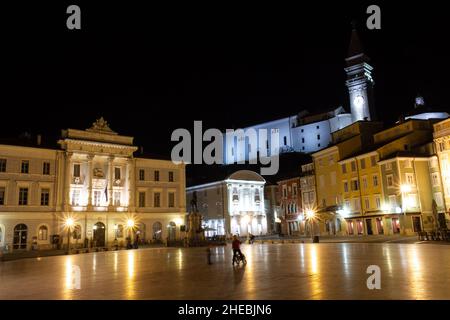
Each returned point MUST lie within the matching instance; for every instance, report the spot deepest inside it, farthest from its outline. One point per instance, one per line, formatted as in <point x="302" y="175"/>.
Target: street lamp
<point x="69" y="224"/>
<point x="130" y="226"/>
<point x="310" y="216"/>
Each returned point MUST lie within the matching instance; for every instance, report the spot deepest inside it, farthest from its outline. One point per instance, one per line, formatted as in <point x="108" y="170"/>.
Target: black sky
<point x="149" y="70"/>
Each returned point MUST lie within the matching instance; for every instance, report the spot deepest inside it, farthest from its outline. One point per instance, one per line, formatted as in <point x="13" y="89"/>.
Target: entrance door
<point x="369" y="226"/>
<point x="20" y="237"/>
<point x="395" y="225"/>
<point x="417" y="225"/>
<point x="380" y="225"/>
<point x="350" y="227"/>
<point x="359" y="226"/>
<point x="172" y="229"/>
<point x="99" y="234"/>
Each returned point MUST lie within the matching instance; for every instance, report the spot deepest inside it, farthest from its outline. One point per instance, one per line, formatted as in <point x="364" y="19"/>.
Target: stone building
<point x="93" y="179"/>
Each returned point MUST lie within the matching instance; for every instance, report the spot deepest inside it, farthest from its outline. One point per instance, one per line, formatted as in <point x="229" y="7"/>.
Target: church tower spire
<point x="359" y="80"/>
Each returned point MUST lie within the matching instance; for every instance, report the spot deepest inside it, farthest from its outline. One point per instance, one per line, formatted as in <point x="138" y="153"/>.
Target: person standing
<point x="236" y="246"/>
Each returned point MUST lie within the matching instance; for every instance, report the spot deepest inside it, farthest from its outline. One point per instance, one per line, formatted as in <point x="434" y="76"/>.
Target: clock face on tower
<point x="358" y="101"/>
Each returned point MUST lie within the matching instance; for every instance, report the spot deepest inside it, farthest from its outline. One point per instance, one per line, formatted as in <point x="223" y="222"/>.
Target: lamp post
<point x="69" y="224"/>
<point x="130" y="226"/>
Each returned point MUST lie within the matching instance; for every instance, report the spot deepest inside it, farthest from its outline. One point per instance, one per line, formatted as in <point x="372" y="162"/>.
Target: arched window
<point x="20" y="236"/>
<point x="157" y="229"/>
<point x="172" y="228"/>
<point x="43" y="233"/>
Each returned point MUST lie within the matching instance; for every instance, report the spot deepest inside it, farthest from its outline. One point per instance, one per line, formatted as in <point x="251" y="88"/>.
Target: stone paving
<point x="274" y="271"/>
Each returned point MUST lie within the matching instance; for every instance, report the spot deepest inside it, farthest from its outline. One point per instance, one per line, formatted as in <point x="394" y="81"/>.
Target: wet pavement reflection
<point x="273" y="271"/>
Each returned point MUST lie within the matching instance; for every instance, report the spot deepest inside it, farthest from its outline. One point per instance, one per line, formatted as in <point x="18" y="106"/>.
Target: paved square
<point x="274" y="271"/>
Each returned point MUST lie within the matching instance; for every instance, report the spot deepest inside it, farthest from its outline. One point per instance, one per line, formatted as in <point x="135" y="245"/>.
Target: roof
<point x="27" y="140"/>
<point x="246" y="175"/>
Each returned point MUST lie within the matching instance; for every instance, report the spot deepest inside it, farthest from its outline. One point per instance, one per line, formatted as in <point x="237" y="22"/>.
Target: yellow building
<point x="391" y="188"/>
<point x="361" y="194"/>
<point x="442" y="146"/>
<point x="346" y="143"/>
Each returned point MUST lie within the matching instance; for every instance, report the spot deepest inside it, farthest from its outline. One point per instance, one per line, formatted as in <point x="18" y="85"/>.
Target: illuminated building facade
<point x="442" y="146"/>
<point x="234" y="205"/>
<point x="94" y="179"/>
<point x="291" y="215"/>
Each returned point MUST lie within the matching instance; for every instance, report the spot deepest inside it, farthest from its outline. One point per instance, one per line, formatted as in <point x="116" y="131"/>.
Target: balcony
<point x="78" y="180"/>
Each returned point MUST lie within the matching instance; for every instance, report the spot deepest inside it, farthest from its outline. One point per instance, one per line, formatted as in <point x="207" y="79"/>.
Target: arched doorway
<point x="157" y="230"/>
<point x="140" y="232"/>
<point x="172" y="231"/>
<point x="20" y="237"/>
<point x="99" y="234"/>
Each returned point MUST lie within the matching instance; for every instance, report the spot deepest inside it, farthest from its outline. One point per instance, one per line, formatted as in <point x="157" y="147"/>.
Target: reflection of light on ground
<point x="387" y="254"/>
<point x="302" y="256"/>
<point x="415" y="273"/>
<point x="249" y="274"/>
<point x="313" y="258"/>
<point x="345" y="259"/>
<point x="69" y="279"/>
<point x="116" y="258"/>
<point x="94" y="263"/>
<point x="130" y="274"/>
<point x="314" y="266"/>
<point x="180" y="259"/>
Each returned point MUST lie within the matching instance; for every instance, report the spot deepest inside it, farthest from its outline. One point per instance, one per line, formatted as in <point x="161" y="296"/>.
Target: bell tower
<point x="359" y="81"/>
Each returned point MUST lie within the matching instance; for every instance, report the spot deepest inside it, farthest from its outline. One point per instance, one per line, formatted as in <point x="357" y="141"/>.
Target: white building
<point x="234" y="205"/>
<point x="301" y="133"/>
<point x="94" y="179"/>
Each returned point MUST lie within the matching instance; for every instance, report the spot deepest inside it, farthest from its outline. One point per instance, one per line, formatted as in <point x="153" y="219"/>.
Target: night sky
<point x="150" y="70"/>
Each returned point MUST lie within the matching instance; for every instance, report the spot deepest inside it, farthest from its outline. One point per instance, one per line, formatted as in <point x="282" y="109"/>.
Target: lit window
<point x="76" y="197"/>
<point x="43" y="233"/>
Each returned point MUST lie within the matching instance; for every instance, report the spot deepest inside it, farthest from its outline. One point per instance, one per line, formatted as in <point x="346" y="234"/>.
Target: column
<point x="130" y="177"/>
<point x="68" y="171"/>
<point x="110" y="182"/>
<point x="90" y="158"/>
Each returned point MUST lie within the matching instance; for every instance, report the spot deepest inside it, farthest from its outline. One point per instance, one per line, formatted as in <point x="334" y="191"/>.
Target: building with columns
<point x="234" y="205"/>
<point x="94" y="179"/>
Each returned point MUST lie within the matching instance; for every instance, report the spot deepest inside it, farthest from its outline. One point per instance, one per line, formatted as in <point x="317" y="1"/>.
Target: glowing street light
<point x="310" y="216"/>
<point x="405" y="188"/>
<point x="69" y="223"/>
<point x="130" y="223"/>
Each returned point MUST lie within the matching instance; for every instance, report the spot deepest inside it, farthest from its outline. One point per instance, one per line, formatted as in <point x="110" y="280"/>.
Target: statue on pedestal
<point x="195" y="231"/>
